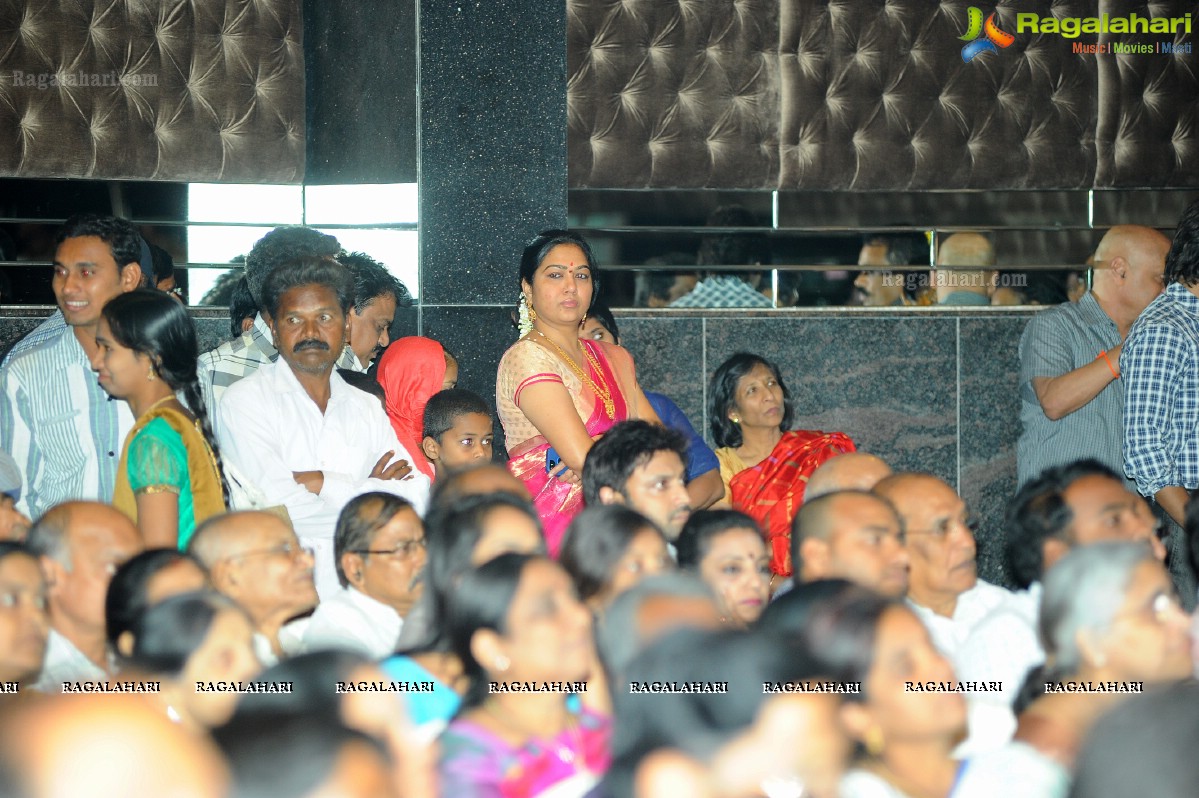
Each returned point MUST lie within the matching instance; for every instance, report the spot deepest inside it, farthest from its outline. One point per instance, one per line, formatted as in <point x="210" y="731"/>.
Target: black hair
<point x="167" y="634"/>
<point x="124" y="242"/>
<point x="1145" y="745"/>
<point x="360" y="520"/>
<point x="789" y="614"/>
<point x="482" y="600"/>
<point x="313" y="677"/>
<point x="596" y="540"/>
<point x="537" y="249"/>
<point x="733" y="249"/>
<point x="841" y="631"/>
<point x="452" y="532"/>
<point x="445" y="406"/>
<point x="722" y="395"/>
<point x="286" y="757"/>
<point x="1038" y="512"/>
<point x="372" y="280"/>
<point x="241" y="306"/>
<point x="1191" y="525"/>
<point x="1182" y="261"/>
<point x="623" y="449"/>
<point x="153" y="324"/>
<point x="603" y="314"/>
<point x="310" y="270"/>
<point x="656" y="283"/>
<point x="363" y="381"/>
<point x="163" y="263"/>
<point x="284" y="245"/>
<point x="696" y="537"/>
<point x="126" y="598"/>
<point x="697" y="723"/>
<point x="902" y="248"/>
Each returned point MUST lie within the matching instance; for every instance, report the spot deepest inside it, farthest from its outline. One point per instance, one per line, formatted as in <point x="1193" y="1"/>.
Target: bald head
<point x="478" y="480"/>
<point x="230" y="534"/>
<point x="54" y="532"/>
<point x="940" y="540"/>
<point x="849" y="471"/>
<point x="1129" y="264"/>
<point x="968" y="262"/>
<point x="91" y="745"/>
<point x="851" y="535"/>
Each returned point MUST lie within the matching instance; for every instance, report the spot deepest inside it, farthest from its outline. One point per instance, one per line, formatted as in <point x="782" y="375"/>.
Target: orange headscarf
<point x="411" y="370"/>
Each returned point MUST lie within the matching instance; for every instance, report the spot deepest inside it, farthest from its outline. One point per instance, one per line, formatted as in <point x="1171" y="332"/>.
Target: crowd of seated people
<point x="262" y="571"/>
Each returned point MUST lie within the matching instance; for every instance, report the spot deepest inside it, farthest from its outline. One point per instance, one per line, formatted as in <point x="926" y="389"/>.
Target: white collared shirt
<point x="353" y="620"/>
<point x="972" y="607"/>
<point x="65" y="663"/>
<point x="271" y="428"/>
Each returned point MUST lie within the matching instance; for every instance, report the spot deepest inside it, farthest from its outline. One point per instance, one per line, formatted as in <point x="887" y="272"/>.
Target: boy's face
<point x="465" y="443"/>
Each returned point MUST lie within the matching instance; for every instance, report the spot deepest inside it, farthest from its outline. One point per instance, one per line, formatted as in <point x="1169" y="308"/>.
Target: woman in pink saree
<point x="556" y="393"/>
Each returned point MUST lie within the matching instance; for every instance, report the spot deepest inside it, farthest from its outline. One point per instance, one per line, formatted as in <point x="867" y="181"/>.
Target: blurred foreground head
<point x="104" y="746"/>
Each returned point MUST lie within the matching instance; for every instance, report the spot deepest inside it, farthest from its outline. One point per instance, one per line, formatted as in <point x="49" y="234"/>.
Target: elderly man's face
<point x="390" y="571"/>
<point x="270" y="574"/>
<point x="23" y="622"/>
<point x="99" y="540"/>
<point x="940" y="540"/>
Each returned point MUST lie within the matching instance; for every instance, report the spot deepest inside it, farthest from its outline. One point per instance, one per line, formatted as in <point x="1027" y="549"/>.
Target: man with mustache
<point x="642" y="465"/>
<point x="297" y="431"/>
<point x="380" y="554"/>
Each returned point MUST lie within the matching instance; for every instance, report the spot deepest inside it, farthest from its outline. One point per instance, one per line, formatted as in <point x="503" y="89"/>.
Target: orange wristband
<point x="1108" y="360"/>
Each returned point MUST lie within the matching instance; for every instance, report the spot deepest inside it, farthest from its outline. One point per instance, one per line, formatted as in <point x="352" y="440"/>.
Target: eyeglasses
<point x="405" y="548"/>
<point x="290" y="550"/>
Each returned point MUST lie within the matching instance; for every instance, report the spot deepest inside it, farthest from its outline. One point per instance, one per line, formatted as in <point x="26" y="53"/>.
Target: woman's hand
<point x="569" y="476"/>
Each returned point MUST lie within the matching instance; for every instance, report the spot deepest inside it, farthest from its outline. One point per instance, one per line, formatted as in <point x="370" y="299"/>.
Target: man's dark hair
<point x="372" y="280"/>
<point x="309" y="270"/>
<point x="445" y="406"/>
<point x="284" y="245"/>
<point x="286" y="756"/>
<point x="364" y="382"/>
<point x="901" y="249"/>
<point x="1182" y="261"/>
<point x="1038" y="512"/>
<point x="241" y="306"/>
<point x="733" y="249"/>
<point x="124" y="242"/>
<point x="358" y="523"/>
<point x="623" y="449"/>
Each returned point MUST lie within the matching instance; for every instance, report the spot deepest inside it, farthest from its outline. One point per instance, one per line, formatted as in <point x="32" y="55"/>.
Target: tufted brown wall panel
<point x="870" y="95"/>
<point x="875" y="95"/>
<point x="680" y="93"/>
<point x="1148" y="133"/>
<point x="226" y="101"/>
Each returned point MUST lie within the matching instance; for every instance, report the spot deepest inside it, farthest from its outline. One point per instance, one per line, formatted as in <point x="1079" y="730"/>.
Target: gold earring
<point x="150" y="377"/>
<point x="736" y="419"/>
<point x="874" y="741"/>
<point x="532" y="314"/>
<point x="584" y="321"/>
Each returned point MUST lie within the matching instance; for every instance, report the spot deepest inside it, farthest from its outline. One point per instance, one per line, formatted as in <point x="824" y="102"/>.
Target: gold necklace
<point x="605" y="393"/>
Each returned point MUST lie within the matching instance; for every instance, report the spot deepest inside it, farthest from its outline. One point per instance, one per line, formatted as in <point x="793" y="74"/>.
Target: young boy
<point x="458" y="430"/>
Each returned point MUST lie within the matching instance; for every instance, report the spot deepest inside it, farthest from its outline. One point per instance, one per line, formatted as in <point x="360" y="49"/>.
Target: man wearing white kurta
<point x="302" y="436"/>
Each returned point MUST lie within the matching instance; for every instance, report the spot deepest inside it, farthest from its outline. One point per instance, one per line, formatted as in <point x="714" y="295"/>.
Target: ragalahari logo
<point x="983" y="37"/>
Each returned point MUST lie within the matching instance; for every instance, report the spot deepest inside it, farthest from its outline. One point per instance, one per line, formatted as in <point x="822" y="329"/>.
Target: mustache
<point x="311" y="343"/>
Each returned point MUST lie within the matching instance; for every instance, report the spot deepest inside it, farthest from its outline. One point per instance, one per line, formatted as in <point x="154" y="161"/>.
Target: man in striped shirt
<point x="63" y="430"/>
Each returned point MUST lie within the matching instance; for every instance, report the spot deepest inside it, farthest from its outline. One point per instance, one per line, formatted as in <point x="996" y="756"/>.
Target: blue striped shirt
<point x="1159" y="367"/>
<point x="57" y="422"/>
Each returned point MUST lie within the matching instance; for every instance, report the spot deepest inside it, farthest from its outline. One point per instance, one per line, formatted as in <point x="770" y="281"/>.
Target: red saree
<point x="772" y="491"/>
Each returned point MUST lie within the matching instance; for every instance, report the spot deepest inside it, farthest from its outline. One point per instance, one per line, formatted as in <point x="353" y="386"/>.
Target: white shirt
<point x="353" y="620"/>
<point x="65" y="663"/>
<point x="972" y="607"/>
<point x="1003" y="646"/>
<point x="270" y="428"/>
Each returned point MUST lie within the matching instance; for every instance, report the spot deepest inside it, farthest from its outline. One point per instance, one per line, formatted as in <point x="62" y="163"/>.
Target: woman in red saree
<point x="764" y="464"/>
<point x="554" y="392"/>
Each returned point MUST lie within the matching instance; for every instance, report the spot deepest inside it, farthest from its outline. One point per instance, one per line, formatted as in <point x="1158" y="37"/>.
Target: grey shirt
<point x="1057" y="341"/>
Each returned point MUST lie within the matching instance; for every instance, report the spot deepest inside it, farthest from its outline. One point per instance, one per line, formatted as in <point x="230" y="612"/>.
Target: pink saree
<point x="558" y="502"/>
